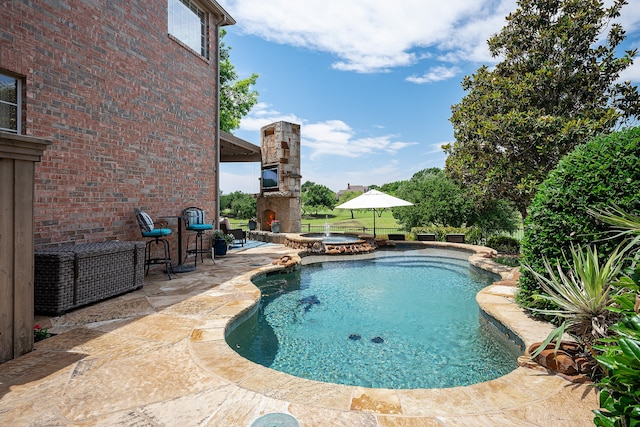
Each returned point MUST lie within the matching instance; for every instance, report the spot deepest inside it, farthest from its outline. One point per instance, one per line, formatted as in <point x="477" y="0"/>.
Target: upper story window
<point x="188" y="23"/>
<point x="10" y="111"/>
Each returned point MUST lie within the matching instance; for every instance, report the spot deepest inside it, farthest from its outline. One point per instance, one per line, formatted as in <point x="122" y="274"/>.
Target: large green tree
<point x="555" y="88"/>
<point x="316" y="196"/>
<point x="236" y="96"/>
<point x="438" y="200"/>
<point x="238" y="204"/>
<point x="346" y="196"/>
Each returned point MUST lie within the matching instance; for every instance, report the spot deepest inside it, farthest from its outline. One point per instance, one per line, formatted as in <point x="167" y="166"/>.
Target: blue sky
<point x="370" y="82"/>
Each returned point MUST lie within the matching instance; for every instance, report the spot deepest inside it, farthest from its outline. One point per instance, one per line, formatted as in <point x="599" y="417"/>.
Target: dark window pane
<point x="8" y="89"/>
<point x="8" y="117"/>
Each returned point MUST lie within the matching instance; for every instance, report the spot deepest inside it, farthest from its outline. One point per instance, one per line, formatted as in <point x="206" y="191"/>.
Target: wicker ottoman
<point x="455" y="238"/>
<point x="67" y="277"/>
<point x="426" y="237"/>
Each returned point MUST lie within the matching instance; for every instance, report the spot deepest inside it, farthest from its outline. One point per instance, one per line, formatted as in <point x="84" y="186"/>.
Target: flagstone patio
<point x="157" y="357"/>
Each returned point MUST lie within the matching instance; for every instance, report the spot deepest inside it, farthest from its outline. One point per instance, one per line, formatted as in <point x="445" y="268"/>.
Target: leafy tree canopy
<point x="554" y="89"/>
<point x="348" y="195"/>
<point x="438" y="200"/>
<point x="315" y="197"/>
<point x="306" y="185"/>
<point x="238" y="204"/>
<point x="389" y="188"/>
<point x="236" y="96"/>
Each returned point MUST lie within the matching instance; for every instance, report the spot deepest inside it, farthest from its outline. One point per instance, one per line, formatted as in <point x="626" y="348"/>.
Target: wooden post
<point x="18" y="154"/>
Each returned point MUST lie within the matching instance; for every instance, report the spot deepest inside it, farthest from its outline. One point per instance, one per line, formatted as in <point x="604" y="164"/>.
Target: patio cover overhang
<point x="234" y="149"/>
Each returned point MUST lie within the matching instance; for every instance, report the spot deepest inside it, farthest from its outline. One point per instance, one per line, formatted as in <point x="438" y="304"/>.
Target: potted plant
<point x="253" y="223"/>
<point x="221" y="242"/>
<point x="275" y="226"/>
<point x="40" y="333"/>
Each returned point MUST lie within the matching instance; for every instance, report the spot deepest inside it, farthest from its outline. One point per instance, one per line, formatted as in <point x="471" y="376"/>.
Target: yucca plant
<point x="581" y="296"/>
<point x="623" y="223"/>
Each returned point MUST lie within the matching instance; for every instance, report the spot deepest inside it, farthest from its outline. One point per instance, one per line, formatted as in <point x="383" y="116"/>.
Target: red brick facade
<point x="130" y="110"/>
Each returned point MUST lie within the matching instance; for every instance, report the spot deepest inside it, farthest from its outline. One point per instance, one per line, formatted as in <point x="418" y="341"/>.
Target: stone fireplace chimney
<point x="280" y="185"/>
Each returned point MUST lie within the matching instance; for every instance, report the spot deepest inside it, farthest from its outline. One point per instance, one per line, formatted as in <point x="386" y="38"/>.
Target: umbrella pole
<point x="374" y="223"/>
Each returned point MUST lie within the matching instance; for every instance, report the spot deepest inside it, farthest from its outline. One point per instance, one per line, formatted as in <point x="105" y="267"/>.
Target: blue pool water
<point x="392" y="322"/>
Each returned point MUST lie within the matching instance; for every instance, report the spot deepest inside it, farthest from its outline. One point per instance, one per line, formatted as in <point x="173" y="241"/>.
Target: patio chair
<point x="194" y="221"/>
<point x="239" y="235"/>
<point x="148" y="230"/>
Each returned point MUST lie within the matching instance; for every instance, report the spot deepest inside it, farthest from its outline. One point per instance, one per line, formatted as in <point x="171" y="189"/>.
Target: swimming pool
<point x="401" y="320"/>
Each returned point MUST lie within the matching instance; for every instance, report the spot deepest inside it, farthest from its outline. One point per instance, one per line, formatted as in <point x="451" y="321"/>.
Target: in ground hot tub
<point x="331" y="243"/>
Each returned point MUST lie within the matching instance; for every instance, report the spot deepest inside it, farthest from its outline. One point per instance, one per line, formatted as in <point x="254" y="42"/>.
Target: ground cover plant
<point x="619" y="355"/>
<point x="504" y="244"/>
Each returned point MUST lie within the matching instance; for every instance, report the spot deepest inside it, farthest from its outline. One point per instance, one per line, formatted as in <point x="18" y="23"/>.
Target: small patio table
<point x="180" y="268"/>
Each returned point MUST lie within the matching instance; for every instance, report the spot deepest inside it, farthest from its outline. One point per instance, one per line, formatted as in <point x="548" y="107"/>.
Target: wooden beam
<point x="7" y="259"/>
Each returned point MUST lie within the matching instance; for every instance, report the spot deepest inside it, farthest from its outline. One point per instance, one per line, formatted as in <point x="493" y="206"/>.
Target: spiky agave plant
<point x="582" y="295"/>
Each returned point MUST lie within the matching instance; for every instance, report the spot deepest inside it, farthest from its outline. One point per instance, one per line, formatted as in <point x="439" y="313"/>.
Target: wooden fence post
<point x="18" y="155"/>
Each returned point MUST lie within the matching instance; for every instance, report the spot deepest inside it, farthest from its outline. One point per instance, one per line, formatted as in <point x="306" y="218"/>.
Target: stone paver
<point x="157" y="357"/>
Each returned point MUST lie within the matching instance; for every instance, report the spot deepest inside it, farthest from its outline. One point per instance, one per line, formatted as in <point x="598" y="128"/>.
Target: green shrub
<point x="508" y="261"/>
<point x="504" y="244"/>
<point x="601" y="173"/>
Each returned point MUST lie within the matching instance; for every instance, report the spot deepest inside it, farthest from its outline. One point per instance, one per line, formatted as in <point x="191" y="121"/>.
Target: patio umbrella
<point x="374" y="199"/>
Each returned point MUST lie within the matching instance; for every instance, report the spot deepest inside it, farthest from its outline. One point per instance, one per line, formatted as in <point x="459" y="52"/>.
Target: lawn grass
<point x="342" y="217"/>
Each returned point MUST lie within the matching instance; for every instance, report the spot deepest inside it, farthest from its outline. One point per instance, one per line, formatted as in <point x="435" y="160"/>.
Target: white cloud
<point x="436" y="148"/>
<point x="261" y="115"/>
<point x="435" y="74"/>
<point x="331" y="137"/>
<point x="376" y="35"/>
<point x="336" y="138"/>
<point x="632" y="73"/>
<point x="630" y="15"/>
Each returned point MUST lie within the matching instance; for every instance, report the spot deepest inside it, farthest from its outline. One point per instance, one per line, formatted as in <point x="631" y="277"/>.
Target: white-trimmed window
<point x="188" y="23"/>
<point x="10" y="104"/>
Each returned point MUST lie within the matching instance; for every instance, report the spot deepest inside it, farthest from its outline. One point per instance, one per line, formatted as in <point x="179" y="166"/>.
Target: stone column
<point x="280" y="146"/>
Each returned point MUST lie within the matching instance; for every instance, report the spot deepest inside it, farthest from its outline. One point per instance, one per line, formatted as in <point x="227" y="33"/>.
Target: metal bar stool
<point x="194" y="221"/>
<point x="147" y="228"/>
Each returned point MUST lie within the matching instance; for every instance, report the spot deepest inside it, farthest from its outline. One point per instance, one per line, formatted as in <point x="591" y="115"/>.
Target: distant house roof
<point x="353" y="188"/>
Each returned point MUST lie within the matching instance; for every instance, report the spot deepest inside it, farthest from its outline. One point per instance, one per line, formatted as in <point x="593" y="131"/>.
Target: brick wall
<point x="130" y="111"/>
